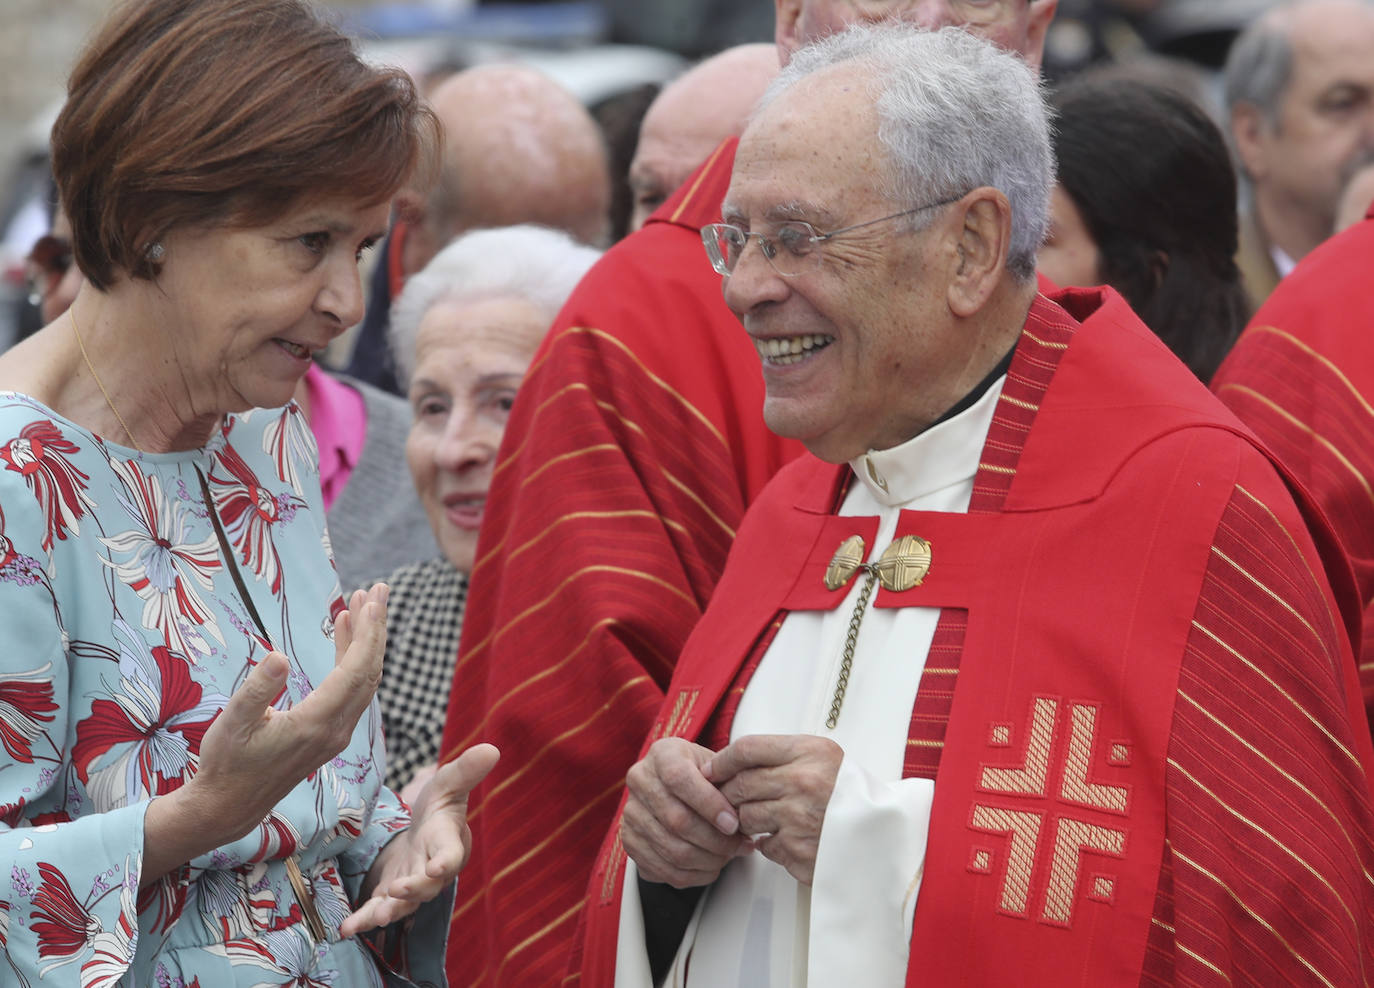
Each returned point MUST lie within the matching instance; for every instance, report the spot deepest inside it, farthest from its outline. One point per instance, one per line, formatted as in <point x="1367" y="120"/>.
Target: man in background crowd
<point x="1300" y="99"/>
<point x="693" y="114"/>
<point x="518" y="148"/>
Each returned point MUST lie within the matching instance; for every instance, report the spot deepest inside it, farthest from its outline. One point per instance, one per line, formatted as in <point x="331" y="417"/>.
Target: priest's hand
<point x="677" y="827"/>
<point x="781" y="785"/>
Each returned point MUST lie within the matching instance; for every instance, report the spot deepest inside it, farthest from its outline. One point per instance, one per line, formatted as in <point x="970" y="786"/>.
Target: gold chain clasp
<point x="902" y="566"/>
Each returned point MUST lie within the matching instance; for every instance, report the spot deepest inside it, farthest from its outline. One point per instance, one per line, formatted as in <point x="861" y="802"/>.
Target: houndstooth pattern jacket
<point x="424" y="619"/>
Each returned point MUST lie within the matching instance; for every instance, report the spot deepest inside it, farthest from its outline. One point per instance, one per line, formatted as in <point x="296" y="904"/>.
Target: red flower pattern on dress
<point x="291" y="444"/>
<point x="63" y="925"/>
<point x="166" y="568"/>
<point x="248" y="511"/>
<point x="113" y="950"/>
<point x="153" y="722"/>
<point x="234" y="902"/>
<point x="164" y="899"/>
<point x="26" y="704"/>
<point x="277" y="838"/>
<point x="284" y="953"/>
<point x="39" y="455"/>
<point x="12" y="814"/>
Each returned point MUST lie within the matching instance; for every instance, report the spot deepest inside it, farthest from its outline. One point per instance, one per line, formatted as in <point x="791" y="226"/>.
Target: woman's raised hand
<point x="253" y="754"/>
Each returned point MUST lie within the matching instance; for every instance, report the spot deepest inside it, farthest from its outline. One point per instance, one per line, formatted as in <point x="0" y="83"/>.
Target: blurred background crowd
<point x="612" y="54"/>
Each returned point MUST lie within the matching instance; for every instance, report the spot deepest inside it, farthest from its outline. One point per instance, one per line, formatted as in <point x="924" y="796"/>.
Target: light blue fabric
<point x="121" y="638"/>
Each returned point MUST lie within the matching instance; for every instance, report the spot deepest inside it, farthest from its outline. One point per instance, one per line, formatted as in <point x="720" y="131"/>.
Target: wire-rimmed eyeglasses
<point x="792" y="250"/>
<point x="971" y="13"/>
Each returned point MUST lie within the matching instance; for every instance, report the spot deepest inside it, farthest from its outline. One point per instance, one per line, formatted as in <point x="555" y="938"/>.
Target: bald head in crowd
<point x="694" y="113"/>
<point x="518" y="148"/>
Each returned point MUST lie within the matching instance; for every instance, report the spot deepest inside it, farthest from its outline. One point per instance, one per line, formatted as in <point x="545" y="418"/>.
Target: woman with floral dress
<point x="190" y="781"/>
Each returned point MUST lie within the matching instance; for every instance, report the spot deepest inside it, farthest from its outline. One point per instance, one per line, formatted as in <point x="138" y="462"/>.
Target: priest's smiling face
<point x="859" y="351"/>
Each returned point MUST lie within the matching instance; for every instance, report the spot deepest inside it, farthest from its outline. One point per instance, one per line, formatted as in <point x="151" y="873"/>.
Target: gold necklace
<point x="100" y="384"/>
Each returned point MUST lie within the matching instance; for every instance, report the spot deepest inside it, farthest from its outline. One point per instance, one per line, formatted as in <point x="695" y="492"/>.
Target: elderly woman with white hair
<point x="463" y="333"/>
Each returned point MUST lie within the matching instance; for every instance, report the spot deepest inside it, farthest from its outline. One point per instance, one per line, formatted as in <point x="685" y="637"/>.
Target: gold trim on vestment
<point x="1261" y="585"/>
<point x="699" y="502"/>
<point x="1293" y="419"/>
<point x="1320" y="358"/>
<point x="1024" y="828"/>
<point x="1274" y="685"/>
<point x="1030" y="778"/>
<point x="544" y="602"/>
<point x="706" y="169"/>
<point x="1287" y="776"/>
<point x="536" y="936"/>
<point x="1216" y="879"/>
<point x="1298" y="859"/>
<point x="1071" y="838"/>
<point x="1336" y="624"/>
<point x="553" y="742"/>
<point x="1028" y="406"/>
<point x="576" y="516"/>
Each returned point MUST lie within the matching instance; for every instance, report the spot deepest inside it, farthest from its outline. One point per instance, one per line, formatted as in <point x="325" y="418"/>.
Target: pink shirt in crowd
<point x="338" y="419"/>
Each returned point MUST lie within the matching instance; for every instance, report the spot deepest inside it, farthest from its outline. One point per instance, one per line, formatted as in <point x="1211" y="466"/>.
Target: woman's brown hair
<point x="187" y="112"/>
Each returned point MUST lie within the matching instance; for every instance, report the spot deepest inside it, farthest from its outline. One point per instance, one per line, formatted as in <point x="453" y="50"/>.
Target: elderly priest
<point x="1030" y="674"/>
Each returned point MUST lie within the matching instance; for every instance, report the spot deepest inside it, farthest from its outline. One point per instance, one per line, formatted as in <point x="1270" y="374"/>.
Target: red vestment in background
<point x="1302" y="376"/>
<point x="1140" y="707"/>
<point x="635" y="444"/>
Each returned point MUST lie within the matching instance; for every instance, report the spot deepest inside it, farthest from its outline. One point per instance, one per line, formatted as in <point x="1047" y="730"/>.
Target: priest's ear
<point x="787" y="27"/>
<point x="981" y="228"/>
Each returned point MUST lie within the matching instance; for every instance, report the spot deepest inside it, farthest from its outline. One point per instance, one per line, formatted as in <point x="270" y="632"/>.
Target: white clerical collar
<point x="947" y="453"/>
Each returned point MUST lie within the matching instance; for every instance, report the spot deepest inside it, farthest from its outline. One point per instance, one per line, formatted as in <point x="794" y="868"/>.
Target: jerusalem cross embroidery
<point x="1043" y="808"/>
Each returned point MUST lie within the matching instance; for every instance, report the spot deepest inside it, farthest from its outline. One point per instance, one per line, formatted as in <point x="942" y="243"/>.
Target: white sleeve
<point x="631" y="954"/>
<point x="868" y="870"/>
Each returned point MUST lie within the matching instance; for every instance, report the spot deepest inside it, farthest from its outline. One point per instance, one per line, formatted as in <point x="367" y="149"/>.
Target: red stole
<point x="1048" y="821"/>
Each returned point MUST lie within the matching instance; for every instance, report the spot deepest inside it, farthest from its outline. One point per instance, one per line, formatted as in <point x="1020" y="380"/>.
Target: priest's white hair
<point x="954" y="113"/>
<point x="533" y="263"/>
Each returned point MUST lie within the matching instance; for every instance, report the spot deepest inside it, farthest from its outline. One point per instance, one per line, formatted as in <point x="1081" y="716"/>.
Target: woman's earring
<point x="154" y="251"/>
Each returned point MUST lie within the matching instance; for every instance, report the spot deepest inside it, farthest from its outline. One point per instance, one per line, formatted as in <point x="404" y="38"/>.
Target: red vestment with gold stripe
<point x="1302" y="377"/>
<point x="635" y="444"/>
<point x="1140" y="709"/>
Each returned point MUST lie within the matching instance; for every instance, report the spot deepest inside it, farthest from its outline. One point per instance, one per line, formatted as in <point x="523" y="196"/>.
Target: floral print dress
<point x="125" y="625"/>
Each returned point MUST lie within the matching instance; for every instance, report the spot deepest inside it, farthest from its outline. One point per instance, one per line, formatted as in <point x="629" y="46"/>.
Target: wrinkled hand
<point x="410" y="792"/>
<point x="425" y="857"/>
<point x="677" y="826"/>
<point x="253" y="754"/>
<point x="780" y="785"/>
